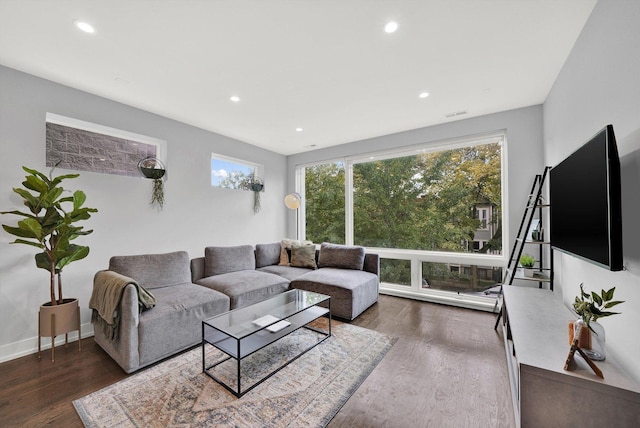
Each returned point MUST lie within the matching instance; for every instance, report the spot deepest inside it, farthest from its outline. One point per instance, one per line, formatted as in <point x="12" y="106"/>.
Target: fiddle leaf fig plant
<point x="49" y="224"/>
<point x="591" y="306"/>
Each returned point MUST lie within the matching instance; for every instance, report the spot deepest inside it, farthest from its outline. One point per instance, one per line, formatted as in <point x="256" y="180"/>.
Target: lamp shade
<point x="292" y="200"/>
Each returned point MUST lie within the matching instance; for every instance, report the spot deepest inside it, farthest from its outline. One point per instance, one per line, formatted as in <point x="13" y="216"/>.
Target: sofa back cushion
<point x="341" y="256"/>
<point x="219" y="260"/>
<point x="154" y="270"/>
<point x="267" y="254"/>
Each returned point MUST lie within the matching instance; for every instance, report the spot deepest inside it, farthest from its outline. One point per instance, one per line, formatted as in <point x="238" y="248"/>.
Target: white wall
<point x="600" y="84"/>
<point x="194" y="216"/>
<point x="524" y="152"/>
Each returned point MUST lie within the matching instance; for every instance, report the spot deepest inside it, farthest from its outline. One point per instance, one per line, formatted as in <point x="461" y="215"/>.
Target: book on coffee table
<point x="270" y="319"/>
<point x="278" y="326"/>
<point x="265" y="320"/>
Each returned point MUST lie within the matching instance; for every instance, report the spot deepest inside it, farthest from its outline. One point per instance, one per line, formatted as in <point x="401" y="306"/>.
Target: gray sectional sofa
<point x="189" y="291"/>
<point x="347" y="274"/>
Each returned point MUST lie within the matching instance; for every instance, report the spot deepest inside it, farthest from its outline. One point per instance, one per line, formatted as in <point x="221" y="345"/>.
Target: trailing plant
<point x="49" y="224"/>
<point x="256" y="185"/>
<point x="157" y="194"/>
<point x="591" y="306"/>
<point x="154" y="169"/>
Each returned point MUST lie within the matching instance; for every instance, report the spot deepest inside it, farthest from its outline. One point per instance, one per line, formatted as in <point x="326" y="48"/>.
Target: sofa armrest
<point x="124" y="350"/>
<point x="197" y="269"/>
<point x="372" y="263"/>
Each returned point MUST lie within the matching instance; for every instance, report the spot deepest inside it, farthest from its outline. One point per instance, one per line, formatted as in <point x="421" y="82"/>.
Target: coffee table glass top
<point x="243" y="322"/>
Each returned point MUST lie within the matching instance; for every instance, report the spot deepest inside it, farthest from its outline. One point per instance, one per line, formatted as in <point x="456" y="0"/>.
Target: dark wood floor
<point x="447" y="369"/>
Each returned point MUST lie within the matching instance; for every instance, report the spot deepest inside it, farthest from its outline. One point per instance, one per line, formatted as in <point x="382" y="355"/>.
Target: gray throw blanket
<point x="108" y="287"/>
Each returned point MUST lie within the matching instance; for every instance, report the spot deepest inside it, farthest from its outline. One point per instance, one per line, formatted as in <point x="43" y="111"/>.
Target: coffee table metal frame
<point x="236" y="334"/>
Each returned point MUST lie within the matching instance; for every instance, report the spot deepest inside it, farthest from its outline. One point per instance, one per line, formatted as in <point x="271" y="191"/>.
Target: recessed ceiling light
<point x="423" y="94"/>
<point x="391" y="27"/>
<point x="84" y="26"/>
<point x="234" y="98"/>
<point x="299" y="129"/>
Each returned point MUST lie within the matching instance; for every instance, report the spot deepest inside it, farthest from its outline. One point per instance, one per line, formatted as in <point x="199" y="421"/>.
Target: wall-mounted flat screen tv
<point x="585" y="199"/>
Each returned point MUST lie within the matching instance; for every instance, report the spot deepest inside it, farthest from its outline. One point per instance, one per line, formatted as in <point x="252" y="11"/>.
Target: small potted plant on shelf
<point x="49" y="224"/>
<point x="590" y="307"/>
<point x="527" y="262"/>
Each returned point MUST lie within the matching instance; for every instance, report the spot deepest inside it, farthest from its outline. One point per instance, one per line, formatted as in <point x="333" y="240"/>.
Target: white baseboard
<point x="11" y="351"/>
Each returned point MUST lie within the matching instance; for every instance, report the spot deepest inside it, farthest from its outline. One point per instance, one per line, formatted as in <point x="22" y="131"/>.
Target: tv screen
<point x="585" y="199"/>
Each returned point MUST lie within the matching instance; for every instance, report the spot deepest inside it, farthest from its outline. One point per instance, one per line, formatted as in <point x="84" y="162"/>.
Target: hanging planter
<point x="154" y="169"/>
<point x="256" y="185"/>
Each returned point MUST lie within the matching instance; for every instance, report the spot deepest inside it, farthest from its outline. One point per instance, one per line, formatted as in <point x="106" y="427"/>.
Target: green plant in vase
<point x="590" y="307"/>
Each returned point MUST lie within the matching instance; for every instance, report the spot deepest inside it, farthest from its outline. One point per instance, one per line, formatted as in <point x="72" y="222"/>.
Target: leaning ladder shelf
<point x="541" y="274"/>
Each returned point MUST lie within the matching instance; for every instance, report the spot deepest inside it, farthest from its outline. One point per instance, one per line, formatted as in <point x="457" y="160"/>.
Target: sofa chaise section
<point x="174" y="324"/>
<point x="347" y="274"/>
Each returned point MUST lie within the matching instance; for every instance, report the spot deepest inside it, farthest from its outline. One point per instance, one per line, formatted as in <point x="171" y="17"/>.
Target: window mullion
<point x="348" y="209"/>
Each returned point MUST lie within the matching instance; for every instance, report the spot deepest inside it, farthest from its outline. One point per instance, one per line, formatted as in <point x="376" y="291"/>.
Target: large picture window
<point x="433" y="213"/>
<point x="429" y="201"/>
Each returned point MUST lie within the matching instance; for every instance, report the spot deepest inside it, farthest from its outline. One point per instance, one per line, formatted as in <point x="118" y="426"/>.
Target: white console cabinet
<point x="535" y="330"/>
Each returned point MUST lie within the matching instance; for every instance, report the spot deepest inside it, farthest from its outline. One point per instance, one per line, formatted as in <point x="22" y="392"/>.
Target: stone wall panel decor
<point x="77" y="145"/>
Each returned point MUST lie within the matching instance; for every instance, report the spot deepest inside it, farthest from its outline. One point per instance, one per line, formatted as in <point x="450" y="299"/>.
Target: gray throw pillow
<point x="303" y="256"/>
<point x="341" y="256"/>
<point x="219" y="260"/>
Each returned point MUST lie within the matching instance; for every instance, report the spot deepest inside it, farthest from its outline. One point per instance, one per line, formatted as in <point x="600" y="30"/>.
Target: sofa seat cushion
<point x="351" y="291"/>
<point x="246" y="287"/>
<point x="175" y="323"/>
<point x="288" y="272"/>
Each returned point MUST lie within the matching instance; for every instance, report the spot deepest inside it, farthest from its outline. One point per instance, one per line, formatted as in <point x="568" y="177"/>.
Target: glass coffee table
<point x="241" y="332"/>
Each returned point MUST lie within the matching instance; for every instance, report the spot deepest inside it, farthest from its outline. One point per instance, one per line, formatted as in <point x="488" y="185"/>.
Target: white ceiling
<point x="326" y="66"/>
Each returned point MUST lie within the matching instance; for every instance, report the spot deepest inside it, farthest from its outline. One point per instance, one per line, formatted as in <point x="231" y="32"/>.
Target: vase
<point x="598" y="341"/>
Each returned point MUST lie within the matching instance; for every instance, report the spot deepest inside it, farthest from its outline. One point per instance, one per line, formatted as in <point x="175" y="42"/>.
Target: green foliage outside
<point x="395" y="271"/>
<point x="235" y="180"/>
<point x="422" y="202"/>
<point x="324" y="203"/>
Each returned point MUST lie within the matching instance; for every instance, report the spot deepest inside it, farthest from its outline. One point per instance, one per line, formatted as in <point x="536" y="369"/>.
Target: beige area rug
<point x="306" y="393"/>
